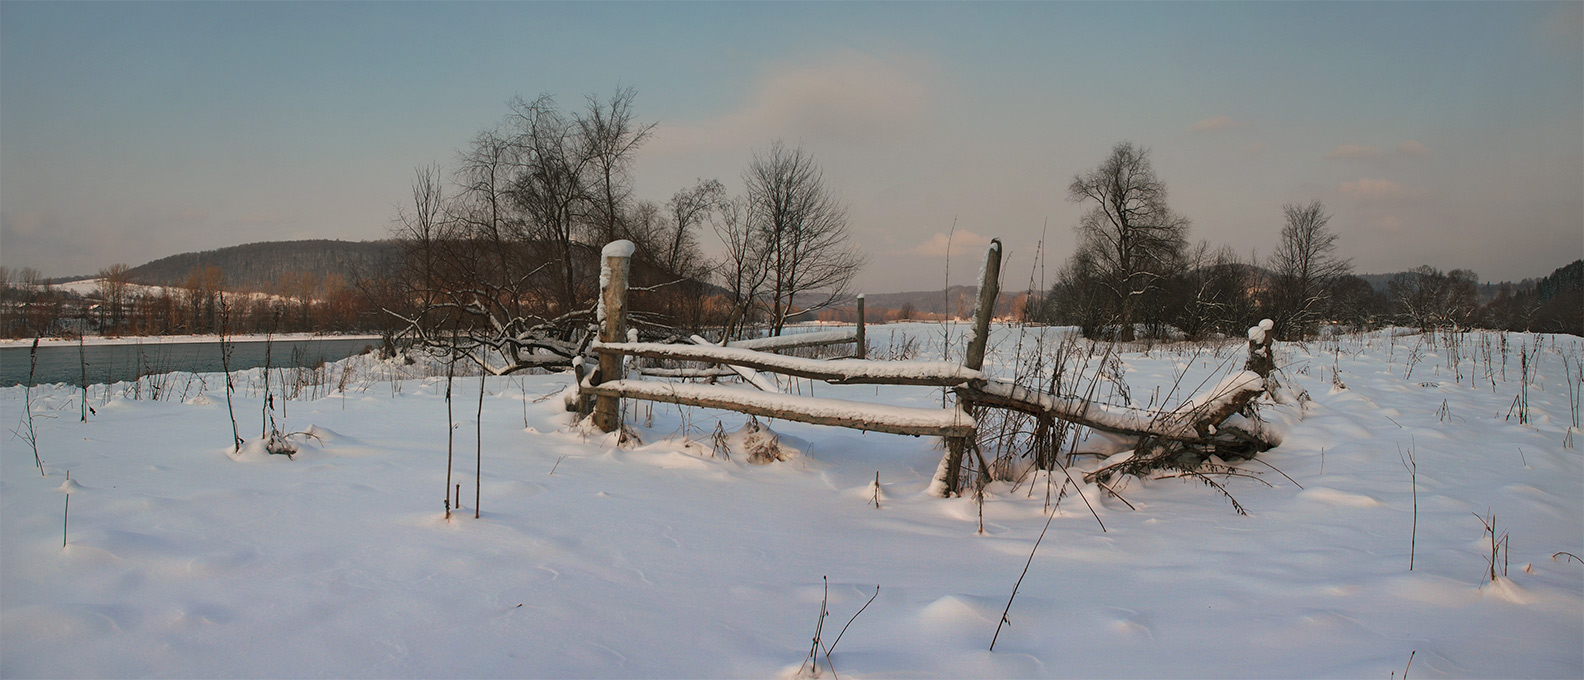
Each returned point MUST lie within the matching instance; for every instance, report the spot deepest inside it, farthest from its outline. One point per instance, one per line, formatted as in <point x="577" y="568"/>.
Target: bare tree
<point x="549" y="186"/>
<point x="1303" y="269"/>
<point x="1208" y="293"/>
<point x="687" y="210"/>
<point x="744" y="269"/>
<point x="502" y="269"/>
<point x="114" y="287"/>
<point x="1426" y="298"/>
<point x="1355" y="302"/>
<point x="609" y="135"/>
<point x="1078" y="297"/>
<point x="419" y="232"/>
<point x="1129" y="235"/>
<point x="804" y="231"/>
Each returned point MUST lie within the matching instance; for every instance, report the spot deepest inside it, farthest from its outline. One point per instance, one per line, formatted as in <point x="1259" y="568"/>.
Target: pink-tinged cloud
<point x="1216" y="123"/>
<point x="962" y="242"/>
<point x="846" y="96"/>
<point x="1412" y="148"/>
<point x="1372" y="189"/>
<point x="1354" y="151"/>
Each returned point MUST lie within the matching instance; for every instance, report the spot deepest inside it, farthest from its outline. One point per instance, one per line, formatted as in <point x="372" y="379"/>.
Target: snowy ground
<point x="667" y="560"/>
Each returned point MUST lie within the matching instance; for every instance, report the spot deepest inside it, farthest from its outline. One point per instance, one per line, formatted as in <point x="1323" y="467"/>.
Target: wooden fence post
<point x="863" y="348"/>
<point x="616" y="259"/>
<point x="989" y="289"/>
<point x="984" y="308"/>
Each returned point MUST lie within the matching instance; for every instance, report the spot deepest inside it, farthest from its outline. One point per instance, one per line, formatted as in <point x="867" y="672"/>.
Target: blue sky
<point x="1449" y="134"/>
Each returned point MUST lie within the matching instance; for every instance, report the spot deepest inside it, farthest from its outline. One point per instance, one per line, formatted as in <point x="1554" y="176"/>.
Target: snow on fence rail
<point x="797" y="340"/>
<point x="948" y="422"/>
<point x="834" y="371"/>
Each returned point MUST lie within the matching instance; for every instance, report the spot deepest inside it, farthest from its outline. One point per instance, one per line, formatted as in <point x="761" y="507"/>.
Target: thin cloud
<point x="1372" y="189"/>
<point x="961" y="242"/>
<point x="1412" y="148"/>
<point x="1354" y="151"/>
<point x="1216" y="123"/>
<point x="848" y="97"/>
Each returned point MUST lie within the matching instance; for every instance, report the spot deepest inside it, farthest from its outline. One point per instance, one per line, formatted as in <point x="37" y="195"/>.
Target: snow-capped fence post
<point x="947" y="482"/>
<point x="989" y="288"/>
<point x="584" y="404"/>
<point x="1260" y="359"/>
<point x="863" y="349"/>
<point x="616" y="259"/>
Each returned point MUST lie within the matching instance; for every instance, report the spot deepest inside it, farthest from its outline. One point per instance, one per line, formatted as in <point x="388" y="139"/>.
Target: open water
<point x="63" y="363"/>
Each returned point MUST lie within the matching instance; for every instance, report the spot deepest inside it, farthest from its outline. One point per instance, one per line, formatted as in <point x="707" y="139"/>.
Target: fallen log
<point x="1194" y="421"/>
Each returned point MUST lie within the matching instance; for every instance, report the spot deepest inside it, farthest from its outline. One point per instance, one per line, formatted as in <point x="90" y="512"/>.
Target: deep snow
<point x="667" y="559"/>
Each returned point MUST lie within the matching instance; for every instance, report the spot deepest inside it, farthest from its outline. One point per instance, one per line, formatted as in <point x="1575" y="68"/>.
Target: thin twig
<point x="1116" y="495"/>
<point x="1412" y="466"/>
<point x="1015" y="586"/>
<point x="1278" y="471"/>
<point x="849" y="623"/>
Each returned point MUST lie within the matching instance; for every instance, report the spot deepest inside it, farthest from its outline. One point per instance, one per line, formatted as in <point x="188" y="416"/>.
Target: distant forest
<point x="262" y="267"/>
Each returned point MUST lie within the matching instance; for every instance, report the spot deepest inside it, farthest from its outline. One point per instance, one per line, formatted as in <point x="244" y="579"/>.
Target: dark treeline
<point x="1135" y="273"/>
<point x="198" y="304"/>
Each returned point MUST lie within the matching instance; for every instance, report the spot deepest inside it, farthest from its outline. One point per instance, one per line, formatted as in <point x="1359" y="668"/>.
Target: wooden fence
<point x="1194" y="422"/>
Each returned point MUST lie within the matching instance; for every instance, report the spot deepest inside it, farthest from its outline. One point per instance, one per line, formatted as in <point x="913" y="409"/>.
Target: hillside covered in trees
<point x="262" y="266"/>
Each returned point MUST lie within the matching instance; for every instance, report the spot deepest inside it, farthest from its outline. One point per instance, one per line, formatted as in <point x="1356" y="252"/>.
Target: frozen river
<point x="109" y="363"/>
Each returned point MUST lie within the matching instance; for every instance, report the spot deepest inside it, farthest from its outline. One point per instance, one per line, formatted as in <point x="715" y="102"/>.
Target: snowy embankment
<point x="668" y="559"/>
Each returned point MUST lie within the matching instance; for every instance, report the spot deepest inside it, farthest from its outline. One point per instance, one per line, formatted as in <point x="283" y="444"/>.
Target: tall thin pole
<point x="478" y="446"/>
<point x="863" y="345"/>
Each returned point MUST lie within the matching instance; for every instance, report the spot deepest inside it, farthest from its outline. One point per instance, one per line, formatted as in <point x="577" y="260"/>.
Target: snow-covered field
<point x="667" y="559"/>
